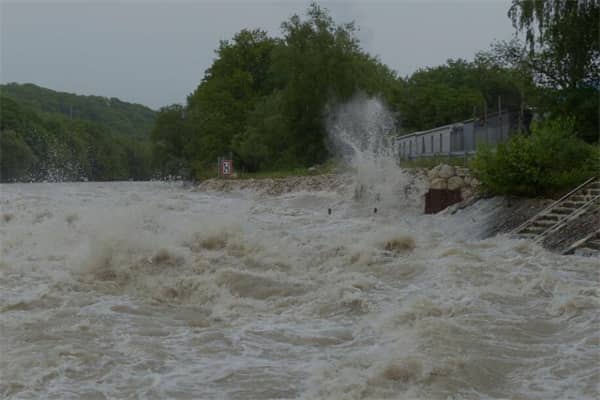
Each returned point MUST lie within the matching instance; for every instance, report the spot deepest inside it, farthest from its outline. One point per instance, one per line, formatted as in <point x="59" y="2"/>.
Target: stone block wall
<point x="444" y="176"/>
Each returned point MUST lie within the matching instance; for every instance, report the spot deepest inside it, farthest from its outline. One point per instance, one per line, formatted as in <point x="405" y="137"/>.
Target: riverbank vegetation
<point x="562" y="59"/>
<point x="548" y="161"/>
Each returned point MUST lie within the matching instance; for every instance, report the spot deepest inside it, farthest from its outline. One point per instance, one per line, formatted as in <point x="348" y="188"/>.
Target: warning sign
<point x="226" y="167"/>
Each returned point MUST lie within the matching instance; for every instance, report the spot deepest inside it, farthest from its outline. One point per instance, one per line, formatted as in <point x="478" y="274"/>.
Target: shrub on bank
<point x="548" y="161"/>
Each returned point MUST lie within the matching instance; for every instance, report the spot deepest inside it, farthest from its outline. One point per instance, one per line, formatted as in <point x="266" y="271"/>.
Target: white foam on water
<point x="149" y="290"/>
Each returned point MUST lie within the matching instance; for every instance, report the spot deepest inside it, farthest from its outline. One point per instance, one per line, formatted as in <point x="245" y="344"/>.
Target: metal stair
<point x="577" y="202"/>
<point x="589" y="244"/>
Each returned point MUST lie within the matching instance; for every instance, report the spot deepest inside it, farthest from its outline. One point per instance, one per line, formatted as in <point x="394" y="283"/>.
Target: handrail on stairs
<point x="561" y="222"/>
<point x="580" y="242"/>
<point x="545" y="210"/>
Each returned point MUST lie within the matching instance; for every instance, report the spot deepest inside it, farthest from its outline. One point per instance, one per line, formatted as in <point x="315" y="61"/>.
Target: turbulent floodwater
<point x="151" y="290"/>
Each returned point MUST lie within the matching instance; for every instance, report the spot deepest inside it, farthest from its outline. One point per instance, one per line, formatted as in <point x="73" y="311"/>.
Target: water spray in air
<point x="361" y="133"/>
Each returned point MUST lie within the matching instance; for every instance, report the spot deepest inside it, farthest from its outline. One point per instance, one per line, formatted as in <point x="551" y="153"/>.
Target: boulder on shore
<point x="462" y="171"/>
<point x="433" y="172"/>
<point x="439" y="184"/>
<point x="455" y="182"/>
<point x="446" y="171"/>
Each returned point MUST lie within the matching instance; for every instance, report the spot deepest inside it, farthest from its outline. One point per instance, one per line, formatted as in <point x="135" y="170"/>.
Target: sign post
<point x="226" y="167"/>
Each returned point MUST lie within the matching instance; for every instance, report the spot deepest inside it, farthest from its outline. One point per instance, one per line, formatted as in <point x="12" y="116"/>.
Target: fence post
<point x="485" y="120"/>
<point x="464" y="146"/>
<point x="475" y="128"/>
<point x="500" y="118"/>
<point x="521" y="110"/>
<point x="450" y="144"/>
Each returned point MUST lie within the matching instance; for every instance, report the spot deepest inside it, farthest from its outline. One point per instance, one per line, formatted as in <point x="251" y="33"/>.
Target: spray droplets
<point x="361" y="134"/>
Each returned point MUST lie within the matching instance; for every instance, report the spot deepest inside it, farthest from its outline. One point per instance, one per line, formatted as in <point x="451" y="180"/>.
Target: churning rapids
<point x="155" y="291"/>
<point x="150" y="290"/>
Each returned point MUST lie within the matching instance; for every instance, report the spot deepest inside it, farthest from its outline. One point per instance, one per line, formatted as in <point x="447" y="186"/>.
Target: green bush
<point x="548" y="161"/>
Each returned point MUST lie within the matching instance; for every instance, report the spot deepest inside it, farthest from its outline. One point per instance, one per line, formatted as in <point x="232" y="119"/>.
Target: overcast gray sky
<point x="156" y="52"/>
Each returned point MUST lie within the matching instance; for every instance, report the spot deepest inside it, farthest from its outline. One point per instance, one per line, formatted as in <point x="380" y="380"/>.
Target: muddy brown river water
<point x="154" y="291"/>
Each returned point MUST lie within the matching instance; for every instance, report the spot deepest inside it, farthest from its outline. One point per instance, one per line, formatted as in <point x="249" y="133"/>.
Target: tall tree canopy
<point x="456" y="91"/>
<point x="264" y="99"/>
<point x="563" y="39"/>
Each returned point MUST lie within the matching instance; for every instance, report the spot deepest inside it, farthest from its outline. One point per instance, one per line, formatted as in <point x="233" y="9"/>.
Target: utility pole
<point x="487" y="133"/>
<point x="500" y="115"/>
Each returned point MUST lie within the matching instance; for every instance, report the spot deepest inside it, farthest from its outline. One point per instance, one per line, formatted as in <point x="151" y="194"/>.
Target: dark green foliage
<point x="563" y="38"/>
<point x="266" y="137"/>
<point x="548" y="161"/>
<point x="116" y="116"/>
<point x="49" y="146"/>
<point x="218" y="110"/>
<point x="563" y="57"/>
<point x="457" y="91"/>
<point x="582" y="104"/>
<point x="264" y="99"/>
<point x="170" y="138"/>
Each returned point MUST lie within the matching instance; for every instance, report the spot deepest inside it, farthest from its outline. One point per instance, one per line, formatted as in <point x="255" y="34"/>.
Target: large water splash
<point x="361" y="133"/>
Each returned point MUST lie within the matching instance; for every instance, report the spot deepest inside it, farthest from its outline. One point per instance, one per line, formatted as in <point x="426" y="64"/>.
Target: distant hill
<point x="52" y="136"/>
<point x="118" y="117"/>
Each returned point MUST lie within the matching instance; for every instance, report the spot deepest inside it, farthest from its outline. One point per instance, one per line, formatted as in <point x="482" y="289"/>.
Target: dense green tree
<point x="266" y="137"/>
<point x="50" y="146"/>
<point x="456" y="91"/>
<point x="218" y="109"/>
<point x="563" y="54"/>
<point x="563" y="38"/>
<point x="170" y="138"/>
<point x="264" y="100"/>
<point x="319" y="61"/>
<point x="548" y="161"/>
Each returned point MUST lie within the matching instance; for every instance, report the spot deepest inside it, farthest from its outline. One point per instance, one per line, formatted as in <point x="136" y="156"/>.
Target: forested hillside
<point x="42" y="139"/>
<point x="119" y="117"/>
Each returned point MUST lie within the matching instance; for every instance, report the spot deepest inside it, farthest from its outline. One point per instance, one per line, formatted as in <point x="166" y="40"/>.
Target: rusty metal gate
<point x="438" y="199"/>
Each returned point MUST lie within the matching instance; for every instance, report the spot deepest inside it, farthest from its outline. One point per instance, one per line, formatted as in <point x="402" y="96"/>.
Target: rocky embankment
<point x="444" y="176"/>
<point x="277" y="186"/>
<point x="510" y="212"/>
